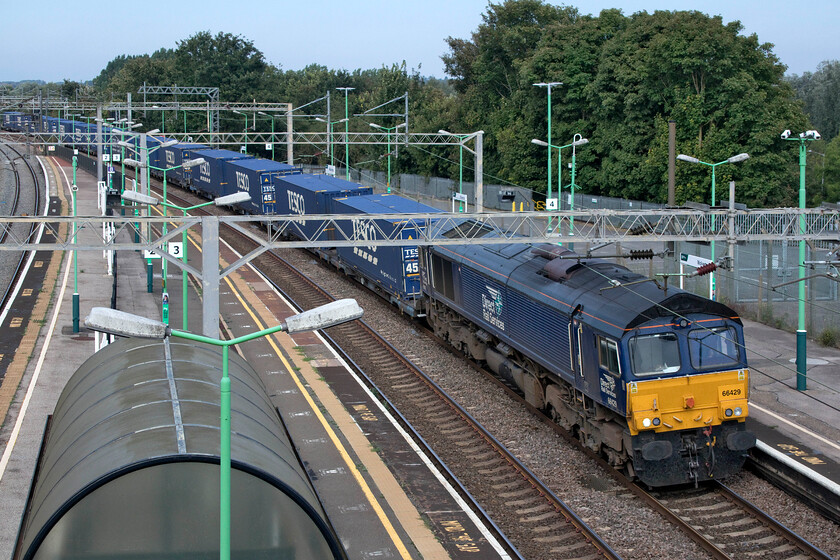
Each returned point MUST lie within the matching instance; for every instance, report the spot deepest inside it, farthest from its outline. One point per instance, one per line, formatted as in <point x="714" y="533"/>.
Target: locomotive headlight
<point x="646" y="422"/>
<point x="738" y="411"/>
<point x="728" y="412"/>
<point x="656" y="421"/>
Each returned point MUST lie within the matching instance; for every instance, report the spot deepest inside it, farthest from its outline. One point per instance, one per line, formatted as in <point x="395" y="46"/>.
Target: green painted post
<point x="225" y="429"/>
<point x="163" y="261"/>
<point x="389" y="159"/>
<point x="801" y="333"/>
<point x="548" y="86"/>
<point x="73" y="189"/>
<point x="224" y="478"/>
<point x="184" y="279"/>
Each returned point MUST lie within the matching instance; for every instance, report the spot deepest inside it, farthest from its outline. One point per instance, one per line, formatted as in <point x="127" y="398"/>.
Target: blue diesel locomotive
<point x="654" y="380"/>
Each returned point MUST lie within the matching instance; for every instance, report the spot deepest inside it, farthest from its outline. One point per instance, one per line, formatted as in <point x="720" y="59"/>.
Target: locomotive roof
<point x="612" y="298"/>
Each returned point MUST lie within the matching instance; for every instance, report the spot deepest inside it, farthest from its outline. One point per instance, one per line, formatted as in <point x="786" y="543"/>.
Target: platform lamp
<point x="135" y="163"/>
<point x="121" y="323"/>
<point x="330" y="136"/>
<point x="164" y="268"/>
<point x="73" y="189"/>
<point x="801" y="334"/>
<point x="388" y="130"/>
<point x="346" y="120"/>
<point x="461" y="138"/>
<point x="140" y="198"/>
<point x="548" y="86"/>
<point x="246" y="126"/>
<point x="733" y="159"/>
<point x="577" y="140"/>
<point x="272" y="117"/>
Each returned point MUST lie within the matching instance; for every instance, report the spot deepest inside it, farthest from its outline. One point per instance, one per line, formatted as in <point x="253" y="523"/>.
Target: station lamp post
<point x="388" y="130"/>
<point x="548" y="86"/>
<point x="460" y="138"/>
<point x="73" y="189"/>
<point x="246" y="126"/>
<point x="121" y="323"/>
<point x="186" y="165"/>
<point x="140" y="198"/>
<point x="148" y="151"/>
<point x="733" y="159"/>
<point x="330" y="136"/>
<point x="130" y="124"/>
<point x="272" y="117"/>
<point x="577" y="140"/>
<point x="801" y="334"/>
<point x="346" y="119"/>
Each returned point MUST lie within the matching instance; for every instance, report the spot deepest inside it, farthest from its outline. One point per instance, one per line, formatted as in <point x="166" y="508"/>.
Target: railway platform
<point x="801" y="426"/>
<point x="370" y="511"/>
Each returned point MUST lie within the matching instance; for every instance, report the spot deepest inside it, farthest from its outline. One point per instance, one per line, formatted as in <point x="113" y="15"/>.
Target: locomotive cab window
<point x="713" y="348"/>
<point x="654" y="354"/>
<point x="608" y="356"/>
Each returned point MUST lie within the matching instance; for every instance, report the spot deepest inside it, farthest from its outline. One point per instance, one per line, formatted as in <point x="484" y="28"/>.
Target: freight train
<point x="653" y="378"/>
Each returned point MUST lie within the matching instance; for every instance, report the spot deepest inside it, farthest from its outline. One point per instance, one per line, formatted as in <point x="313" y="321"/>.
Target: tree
<point x="226" y="61"/>
<point x="820" y="93"/>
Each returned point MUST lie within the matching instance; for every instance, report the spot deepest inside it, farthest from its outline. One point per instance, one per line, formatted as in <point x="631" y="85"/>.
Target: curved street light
<point x="734" y="159"/>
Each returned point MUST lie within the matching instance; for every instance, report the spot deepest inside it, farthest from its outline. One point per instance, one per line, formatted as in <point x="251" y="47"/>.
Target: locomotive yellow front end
<point x="689" y="428"/>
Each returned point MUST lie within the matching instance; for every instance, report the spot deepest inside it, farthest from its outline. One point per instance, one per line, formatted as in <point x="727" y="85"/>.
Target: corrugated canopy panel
<point x="130" y="467"/>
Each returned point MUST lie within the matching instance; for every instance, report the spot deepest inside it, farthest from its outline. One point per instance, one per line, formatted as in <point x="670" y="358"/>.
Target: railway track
<point x="21" y="203"/>
<point x="728" y="526"/>
<point x="534" y="521"/>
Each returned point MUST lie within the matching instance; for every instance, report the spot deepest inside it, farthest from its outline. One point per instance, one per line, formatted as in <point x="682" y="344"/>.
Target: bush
<point x="829" y="336"/>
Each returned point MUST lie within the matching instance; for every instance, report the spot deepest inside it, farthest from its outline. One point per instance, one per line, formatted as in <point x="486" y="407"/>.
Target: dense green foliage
<point x="624" y="77"/>
<point x="820" y="93"/>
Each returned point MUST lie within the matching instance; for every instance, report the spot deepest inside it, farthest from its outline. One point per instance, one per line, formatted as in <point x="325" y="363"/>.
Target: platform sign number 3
<point x="175" y="248"/>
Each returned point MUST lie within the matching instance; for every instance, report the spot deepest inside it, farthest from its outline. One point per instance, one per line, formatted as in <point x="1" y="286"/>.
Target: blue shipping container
<point x="396" y="270"/>
<point x="257" y="178"/>
<point x="311" y="194"/>
<point x="172" y="159"/>
<point x="210" y="178"/>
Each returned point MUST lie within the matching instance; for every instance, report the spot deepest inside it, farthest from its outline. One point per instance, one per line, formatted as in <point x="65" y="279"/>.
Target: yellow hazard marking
<point x="38" y="264"/>
<point x="27" y="292"/>
<point x="338" y="445"/>
<point x="16" y="322"/>
<point x="791" y="449"/>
